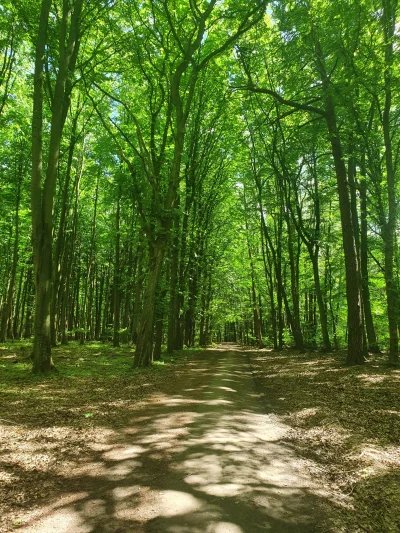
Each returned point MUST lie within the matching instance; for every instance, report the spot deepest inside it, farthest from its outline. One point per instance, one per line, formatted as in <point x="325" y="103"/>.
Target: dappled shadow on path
<point x="205" y="459"/>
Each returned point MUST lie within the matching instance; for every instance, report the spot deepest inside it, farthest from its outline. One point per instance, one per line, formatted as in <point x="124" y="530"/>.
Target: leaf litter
<point x="49" y="425"/>
<point x="347" y="421"/>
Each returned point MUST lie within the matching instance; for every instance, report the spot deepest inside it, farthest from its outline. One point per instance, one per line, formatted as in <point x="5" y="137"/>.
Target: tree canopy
<point x="181" y="172"/>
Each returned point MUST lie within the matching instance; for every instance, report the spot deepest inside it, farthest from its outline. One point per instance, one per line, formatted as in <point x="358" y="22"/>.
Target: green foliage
<point x="161" y="121"/>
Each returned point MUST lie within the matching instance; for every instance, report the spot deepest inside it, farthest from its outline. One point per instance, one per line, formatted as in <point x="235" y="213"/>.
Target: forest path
<point x="204" y="459"/>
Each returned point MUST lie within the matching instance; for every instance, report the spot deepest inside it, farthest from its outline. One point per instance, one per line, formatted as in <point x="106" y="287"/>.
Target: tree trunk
<point x="61" y="234"/>
<point x="24" y="301"/>
<point x="392" y="296"/>
<point x="18" y="303"/>
<point x="99" y="307"/>
<point x="137" y="304"/>
<point x="6" y="314"/>
<point x="297" y="333"/>
<point x="27" y="332"/>
<point x="144" y="347"/>
<point x="66" y="269"/>
<point x="42" y="342"/>
<point x="159" y="322"/>
<point x="270" y="284"/>
<point x="173" y="317"/>
<point x="256" y="311"/>
<point x="116" y="287"/>
<point x="320" y="300"/>
<point x="42" y="201"/>
<point x="104" y="323"/>
<point x="369" y="323"/>
<point x="355" y="345"/>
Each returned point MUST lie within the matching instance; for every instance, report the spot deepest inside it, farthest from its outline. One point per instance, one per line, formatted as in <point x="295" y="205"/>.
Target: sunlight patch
<point x="173" y="503"/>
<point x="372" y="379"/>
<point x="306" y="413"/>
<point x="224" y="490"/>
<point x="123" y="469"/>
<point x="120" y="493"/>
<point x="381" y="458"/>
<point x="63" y="521"/>
<point x="224" y="527"/>
<point x="119" y="454"/>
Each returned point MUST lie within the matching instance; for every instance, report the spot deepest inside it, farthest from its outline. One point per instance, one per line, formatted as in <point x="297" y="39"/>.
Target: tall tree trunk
<point x="42" y="342"/>
<point x="173" y="316"/>
<point x="129" y="285"/>
<point x="137" y="302"/>
<point x="320" y="300"/>
<point x="356" y="225"/>
<point x="24" y="300"/>
<point x="61" y="234"/>
<point x="6" y="314"/>
<point x="159" y="322"/>
<point x="277" y="263"/>
<point x="104" y="323"/>
<point x="269" y="280"/>
<point x="144" y="346"/>
<point x="256" y="310"/>
<point x="392" y="296"/>
<point x="116" y="287"/>
<point x="99" y="306"/>
<point x="355" y="344"/>
<point x="43" y="200"/>
<point x="297" y="333"/>
<point x="27" y="331"/>
<point x="205" y="313"/>
<point x="89" y="280"/>
<point x="369" y="322"/>
<point x="18" y="303"/>
<point x="67" y="266"/>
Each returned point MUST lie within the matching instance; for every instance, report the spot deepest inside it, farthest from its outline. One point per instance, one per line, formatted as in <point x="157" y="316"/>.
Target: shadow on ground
<point x="204" y="458"/>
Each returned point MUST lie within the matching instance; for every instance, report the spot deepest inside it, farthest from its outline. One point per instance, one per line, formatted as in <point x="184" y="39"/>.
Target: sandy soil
<point x="206" y="458"/>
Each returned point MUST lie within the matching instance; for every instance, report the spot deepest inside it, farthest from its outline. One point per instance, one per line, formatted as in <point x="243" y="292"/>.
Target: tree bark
<point x="43" y="200"/>
<point x="392" y="296"/>
<point x="355" y="344"/>
<point x="294" y="275"/>
<point x="369" y="322"/>
<point x="7" y="313"/>
<point x="60" y="241"/>
<point x="144" y="346"/>
<point x="173" y="317"/>
<point x="42" y="343"/>
<point x="116" y="286"/>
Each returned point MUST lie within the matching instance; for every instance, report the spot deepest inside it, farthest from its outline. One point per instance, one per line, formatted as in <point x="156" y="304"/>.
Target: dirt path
<point x="205" y="459"/>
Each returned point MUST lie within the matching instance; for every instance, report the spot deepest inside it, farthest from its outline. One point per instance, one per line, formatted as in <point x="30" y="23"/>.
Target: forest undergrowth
<point x="347" y="421"/>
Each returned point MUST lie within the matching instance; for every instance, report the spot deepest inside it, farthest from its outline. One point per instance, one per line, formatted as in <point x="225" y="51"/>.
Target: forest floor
<point x="346" y="420"/>
<point x="191" y="445"/>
